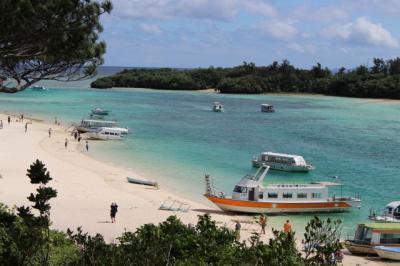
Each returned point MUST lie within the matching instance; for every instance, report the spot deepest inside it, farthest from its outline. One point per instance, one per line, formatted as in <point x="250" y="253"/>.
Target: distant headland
<point x="381" y="80"/>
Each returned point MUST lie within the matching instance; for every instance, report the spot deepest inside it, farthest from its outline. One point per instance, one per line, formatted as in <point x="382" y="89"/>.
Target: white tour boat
<point x="88" y="125"/>
<point x="282" y="162"/>
<point x="105" y="133"/>
<point x="249" y="196"/>
<point x="267" y="108"/>
<point x="218" y="107"/>
<point x="99" y="111"/>
<point x="390" y="214"/>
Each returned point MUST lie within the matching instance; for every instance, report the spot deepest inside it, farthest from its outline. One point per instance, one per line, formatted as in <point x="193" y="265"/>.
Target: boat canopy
<point x="382" y="226"/>
<point x="393" y="204"/>
<point x="97" y="123"/>
<point x="299" y="160"/>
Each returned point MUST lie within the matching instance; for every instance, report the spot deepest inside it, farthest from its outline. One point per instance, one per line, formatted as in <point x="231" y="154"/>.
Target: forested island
<point x="381" y="80"/>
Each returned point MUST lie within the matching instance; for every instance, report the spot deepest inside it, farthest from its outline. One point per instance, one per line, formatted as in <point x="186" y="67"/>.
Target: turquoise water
<point x="177" y="138"/>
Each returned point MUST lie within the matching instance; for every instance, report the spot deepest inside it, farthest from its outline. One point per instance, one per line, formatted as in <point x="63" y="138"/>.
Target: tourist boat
<point x="282" y="162"/>
<point x="218" y="107"/>
<point x="105" y="133"/>
<point x="249" y="196"/>
<point x="267" y="108"/>
<point x="99" y="111"/>
<point x="391" y="253"/>
<point x="142" y="181"/>
<point x="373" y="234"/>
<point x="88" y="125"/>
<point x="38" y="88"/>
<point x="390" y="214"/>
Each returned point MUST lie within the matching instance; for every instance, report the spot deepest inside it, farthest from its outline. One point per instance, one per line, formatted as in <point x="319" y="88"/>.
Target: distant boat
<point x="106" y="133"/>
<point x="141" y="181"/>
<point x="282" y="162"/>
<point x="99" y="111"/>
<point x="38" y="88"/>
<point x="218" y="107"/>
<point x="250" y="196"/>
<point x="391" y="253"/>
<point x="391" y="213"/>
<point x="370" y="235"/>
<point x="267" y="108"/>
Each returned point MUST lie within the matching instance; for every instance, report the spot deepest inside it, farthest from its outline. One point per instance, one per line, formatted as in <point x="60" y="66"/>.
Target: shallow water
<point x="177" y="138"/>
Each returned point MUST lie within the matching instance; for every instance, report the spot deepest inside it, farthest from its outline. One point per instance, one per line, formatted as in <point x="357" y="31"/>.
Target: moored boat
<point x="249" y="196"/>
<point x="391" y="253"/>
<point x="142" y="181"/>
<point x="99" y="111"/>
<point x="38" y="88"/>
<point x="390" y="214"/>
<point x="218" y="107"/>
<point x="370" y="235"/>
<point x="105" y="133"/>
<point x="267" y="108"/>
<point x="282" y="162"/>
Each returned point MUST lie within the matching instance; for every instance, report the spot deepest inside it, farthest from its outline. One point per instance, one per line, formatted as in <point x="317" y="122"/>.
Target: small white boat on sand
<point x="390" y="214"/>
<point x="218" y="107"/>
<point x="250" y="196"/>
<point x="282" y="162"/>
<point x="142" y="181"/>
<point x="391" y="253"/>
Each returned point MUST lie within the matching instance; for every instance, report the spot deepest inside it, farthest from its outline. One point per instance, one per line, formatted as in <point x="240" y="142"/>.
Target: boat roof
<point x="393" y="204"/>
<point x="266" y="104"/>
<point x="281" y="154"/>
<point x="98" y="121"/>
<point x="296" y="186"/>
<point x="254" y="180"/>
<point x="382" y="226"/>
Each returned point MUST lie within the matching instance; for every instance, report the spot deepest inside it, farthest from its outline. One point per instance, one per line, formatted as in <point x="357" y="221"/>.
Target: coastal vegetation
<point x="381" y="80"/>
<point x="49" y="40"/>
<point x="26" y="239"/>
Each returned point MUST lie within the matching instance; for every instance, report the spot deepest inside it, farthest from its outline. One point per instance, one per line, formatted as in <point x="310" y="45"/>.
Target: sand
<point x="86" y="187"/>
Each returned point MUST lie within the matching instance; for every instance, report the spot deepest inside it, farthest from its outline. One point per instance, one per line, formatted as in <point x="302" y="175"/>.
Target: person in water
<point x="113" y="211"/>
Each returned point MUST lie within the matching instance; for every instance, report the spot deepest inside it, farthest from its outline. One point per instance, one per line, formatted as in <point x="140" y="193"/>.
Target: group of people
<point x="262" y="221"/>
<point x="77" y="137"/>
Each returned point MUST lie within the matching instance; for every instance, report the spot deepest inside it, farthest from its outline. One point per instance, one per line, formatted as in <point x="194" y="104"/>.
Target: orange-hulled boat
<point x="249" y="196"/>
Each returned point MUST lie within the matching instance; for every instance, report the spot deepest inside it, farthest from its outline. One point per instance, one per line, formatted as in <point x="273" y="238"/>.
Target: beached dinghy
<point x="391" y="253"/>
<point x="249" y="196"/>
<point x="142" y="181"/>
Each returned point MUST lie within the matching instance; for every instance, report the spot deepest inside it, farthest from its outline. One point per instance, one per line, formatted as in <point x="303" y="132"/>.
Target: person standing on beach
<point x="26" y="127"/>
<point x="113" y="211"/>
<point x="66" y="143"/>
<point x="50" y="132"/>
<point x="263" y="223"/>
<point x="9" y="119"/>
<point x="287" y="227"/>
<point x="75" y="135"/>
<point x="238" y="226"/>
<point x="79" y="137"/>
<point x="1" y="123"/>
<point x="87" y="145"/>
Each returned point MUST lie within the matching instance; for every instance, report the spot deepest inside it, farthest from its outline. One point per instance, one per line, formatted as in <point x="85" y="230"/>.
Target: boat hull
<point x="386" y="253"/>
<point x="356" y="248"/>
<point x="283" y="167"/>
<point x="142" y="181"/>
<point x="242" y="206"/>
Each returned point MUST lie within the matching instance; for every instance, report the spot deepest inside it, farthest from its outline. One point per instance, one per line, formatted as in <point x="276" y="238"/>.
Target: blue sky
<point x="201" y="33"/>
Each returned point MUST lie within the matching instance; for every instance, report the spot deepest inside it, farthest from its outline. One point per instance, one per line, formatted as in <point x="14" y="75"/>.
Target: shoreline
<point x="87" y="186"/>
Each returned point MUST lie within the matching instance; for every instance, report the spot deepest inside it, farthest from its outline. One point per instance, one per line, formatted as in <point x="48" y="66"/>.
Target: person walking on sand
<point x="66" y="143"/>
<point x="9" y="119"/>
<point x="26" y="127"/>
<point x="79" y="137"/>
<point x="238" y="226"/>
<point x="113" y="211"/>
<point x="49" y="132"/>
<point x="287" y="227"/>
<point x="263" y="223"/>
<point x="87" y="145"/>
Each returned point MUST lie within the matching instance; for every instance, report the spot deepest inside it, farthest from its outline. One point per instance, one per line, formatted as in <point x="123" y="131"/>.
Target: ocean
<point x="177" y="139"/>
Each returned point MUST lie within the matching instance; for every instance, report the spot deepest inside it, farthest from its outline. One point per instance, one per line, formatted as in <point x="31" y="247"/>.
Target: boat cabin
<point x="393" y="209"/>
<point x="372" y="234"/>
<point x="251" y="188"/>
<point x="282" y="158"/>
<point x="91" y="123"/>
<point x="267" y="108"/>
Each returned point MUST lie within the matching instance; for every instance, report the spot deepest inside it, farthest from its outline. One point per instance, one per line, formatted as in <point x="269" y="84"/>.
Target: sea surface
<point x="177" y="139"/>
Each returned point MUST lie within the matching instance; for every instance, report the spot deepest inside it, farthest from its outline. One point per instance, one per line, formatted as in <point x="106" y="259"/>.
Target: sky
<point x="202" y="33"/>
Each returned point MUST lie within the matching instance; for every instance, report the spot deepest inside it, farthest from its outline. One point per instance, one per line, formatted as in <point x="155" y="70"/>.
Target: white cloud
<point x="301" y="48"/>
<point x="325" y="13"/>
<point x="278" y="29"/>
<point x="150" y="28"/>
<point x="258" y="7"/>
<point x="362" y="31"/>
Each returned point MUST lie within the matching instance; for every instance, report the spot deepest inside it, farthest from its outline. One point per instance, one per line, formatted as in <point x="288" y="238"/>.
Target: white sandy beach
<point x="86" y="187"/>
